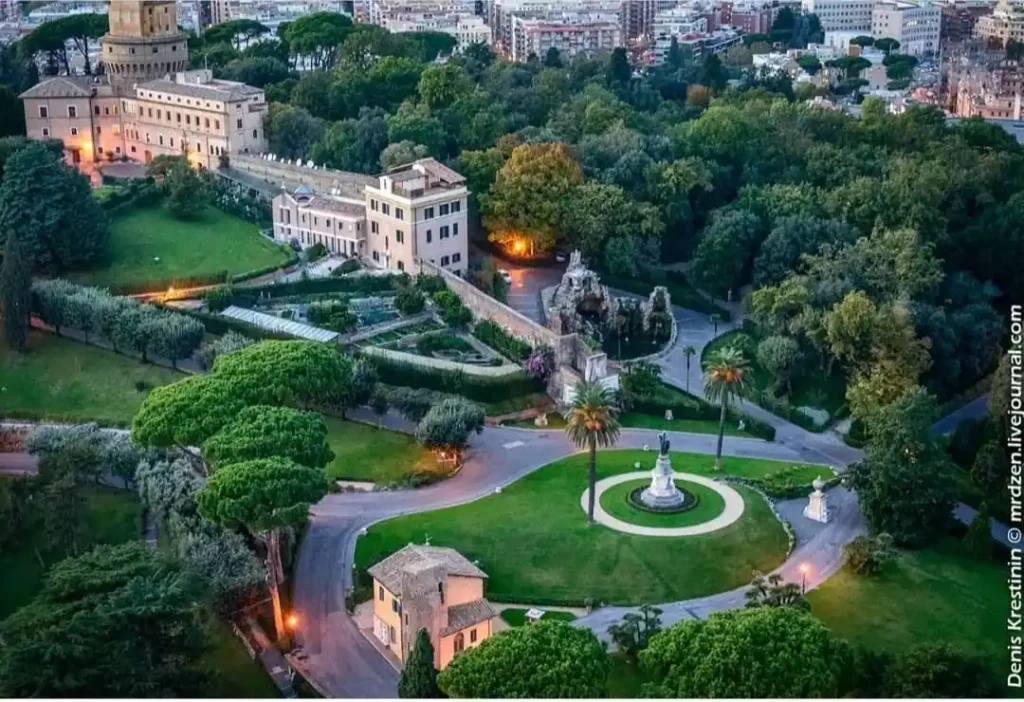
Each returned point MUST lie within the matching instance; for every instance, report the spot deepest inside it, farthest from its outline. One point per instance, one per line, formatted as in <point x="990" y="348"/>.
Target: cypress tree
<point x="419" y="678"/>
<point x="15" y="291"/>
<point x="978" y="539"/>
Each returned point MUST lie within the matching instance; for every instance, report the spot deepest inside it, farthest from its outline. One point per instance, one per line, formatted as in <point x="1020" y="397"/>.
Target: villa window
<point x="460" y="640"/>
<point x="472" y="636"/>
<point x="456" y="206"/>
<point x="440" y="591"/>
<point x="385" y="208"/>
<point x="46" y="132"/>
<point x="444" y="232"/>
<point x="443" y="209"/>
<point x="43" y="112"/>
<point x="72" y="111"/>
<point x="399" y="236"/>
<point x="376" y="256"/>
<point x="399" y="213"/>
<point x="401" y="266"/>
<point x="96" y="110"/>
<point x="445" y="260"/>
<point x="456" y="257"/>
<point x="429" y="236"/>
<point x="373" y="228"/>
<point x="455" y="228"/>
<point x="239" y="124"/>
<point x="74" y="131"/>
<point x="373" y="204"/>
<point x="428" y="213"/>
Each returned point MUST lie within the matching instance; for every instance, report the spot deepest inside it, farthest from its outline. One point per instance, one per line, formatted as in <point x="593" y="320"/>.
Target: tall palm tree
<point x="688" y="351"/>
<point x="591" y="421"/>
<point x="725" y="378"/>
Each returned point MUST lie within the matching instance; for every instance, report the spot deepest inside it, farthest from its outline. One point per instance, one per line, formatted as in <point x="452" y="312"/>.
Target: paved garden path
<point x="344" y="663"/>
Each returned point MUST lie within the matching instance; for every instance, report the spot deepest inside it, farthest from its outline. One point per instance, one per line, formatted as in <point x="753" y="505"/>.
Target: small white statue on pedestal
<point x="817" y="504"/>
<point x="669" y="416"/>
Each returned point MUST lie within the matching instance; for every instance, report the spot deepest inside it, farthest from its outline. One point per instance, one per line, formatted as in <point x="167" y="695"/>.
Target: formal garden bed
<point x="702" y="504"/>
<point x="65" y="380"/>
<point x="554" y="556"/>
<point x="822" y="396"/>
<point x="151" y="244"/>
<point x="516" y="616"/>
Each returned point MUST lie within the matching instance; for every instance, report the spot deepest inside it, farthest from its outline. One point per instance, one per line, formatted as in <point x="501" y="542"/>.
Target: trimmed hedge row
<point x="162" y="284"/>
<point x="245" y="297"/>
<point x="778" y="487"/>
<point x="479" y="388"/>
<point x="257" y="272"/>
<point x="693" y="407"/>
<point x="497" y="338"/>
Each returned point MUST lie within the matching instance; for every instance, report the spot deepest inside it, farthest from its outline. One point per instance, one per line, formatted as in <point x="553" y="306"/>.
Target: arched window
<point x="460" y="642"/>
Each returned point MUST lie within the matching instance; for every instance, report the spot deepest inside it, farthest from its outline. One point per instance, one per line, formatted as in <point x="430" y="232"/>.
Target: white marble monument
<point x="662" y="492"/>
<point x="817" y="505"/>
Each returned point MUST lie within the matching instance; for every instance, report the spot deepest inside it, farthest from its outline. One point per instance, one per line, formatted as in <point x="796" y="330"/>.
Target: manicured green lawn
<point x="364" y="452"/>
<point x="939" y="594"/>
<point x="235" y="674"/>
<point x="67" y="380"/>
<point x="695" y="426"/>
<point x="534" y="542"/>
<point x="111" y="517"/>
<point x="212" y="242"/>
<point x="709" y="505"/>
<point x="516" y="616"/>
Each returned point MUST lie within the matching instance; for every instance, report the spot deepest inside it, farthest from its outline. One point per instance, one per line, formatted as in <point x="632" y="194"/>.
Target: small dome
<point x="818" y="484"/>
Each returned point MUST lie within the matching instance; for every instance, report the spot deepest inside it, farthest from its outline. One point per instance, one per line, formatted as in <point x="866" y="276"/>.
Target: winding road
<point x="342" y="663"/>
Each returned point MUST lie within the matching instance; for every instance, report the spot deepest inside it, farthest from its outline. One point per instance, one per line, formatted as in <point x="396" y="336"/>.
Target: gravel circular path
<point x="733" y="506"/>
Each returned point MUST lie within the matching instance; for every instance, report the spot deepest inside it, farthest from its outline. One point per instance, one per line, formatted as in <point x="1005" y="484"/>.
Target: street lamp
<point x="293" y="622"/>
<point x="803" y="578"/>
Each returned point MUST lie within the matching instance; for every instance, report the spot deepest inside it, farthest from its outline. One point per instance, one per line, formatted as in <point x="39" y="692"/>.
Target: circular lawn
<point x="709" y="505"/>
<point x="535" y="544"/>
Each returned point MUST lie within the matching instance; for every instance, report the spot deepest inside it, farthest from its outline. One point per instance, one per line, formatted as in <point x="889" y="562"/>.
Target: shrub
<point x="350" y="266"/>
<point x="450" y="308"/>
<point x="641" y="379"/>
<point x="867" y="555"/>
<point x="978" y="539"/>
<point x="430" y="284"/>
<point x="411" y="403"/>
<point x="219" y="298"/>
<point x="232" y="341"/>
<point x="540" y="364"/>
<point x="316" y="252"/>
<point x="493" y="335"/>
<point x="446" y="426"/>
<point x="409" y="301"/>
<point x="938" y="671"/>
<point x="331" y="314"/>
<point x="479" y="388"/>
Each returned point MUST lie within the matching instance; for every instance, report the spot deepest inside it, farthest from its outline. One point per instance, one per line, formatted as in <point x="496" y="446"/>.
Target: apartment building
<point x="637" y="18"/>
<point x="679" y="24"/>
<point x="842" y="15"/>
<point x="959" y="18"/>
<point x="916" y="26"/>
<point x="582" y="33"/>
<point x="500" y="14"/>
<point x="1006" y="22"/>
<point x="416" y="211"/>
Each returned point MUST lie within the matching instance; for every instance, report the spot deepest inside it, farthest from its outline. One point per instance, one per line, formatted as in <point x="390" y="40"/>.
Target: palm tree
<point x="590" y="421"/>
<point x="688" y="351"/>
<point x="725" y="377"/>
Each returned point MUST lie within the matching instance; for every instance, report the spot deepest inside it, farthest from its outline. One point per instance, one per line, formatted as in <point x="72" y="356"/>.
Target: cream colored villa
<point x="147" y="104"/>
<point x="432" y="588"/>
<point x="413" y="212"/>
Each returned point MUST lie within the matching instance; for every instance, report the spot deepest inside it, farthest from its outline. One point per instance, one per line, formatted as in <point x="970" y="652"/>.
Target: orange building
<point x="432" y="588"/>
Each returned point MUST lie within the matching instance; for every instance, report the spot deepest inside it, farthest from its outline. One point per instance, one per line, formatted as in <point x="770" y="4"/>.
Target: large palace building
<point x="146" y="104"/>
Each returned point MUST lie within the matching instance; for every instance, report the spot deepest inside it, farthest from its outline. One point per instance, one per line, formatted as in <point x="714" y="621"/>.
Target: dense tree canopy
<point x="119" y="621"/>
<point x="764" y="651"/>
<point x="261" y="432"/>
<point x="546" y="659"/>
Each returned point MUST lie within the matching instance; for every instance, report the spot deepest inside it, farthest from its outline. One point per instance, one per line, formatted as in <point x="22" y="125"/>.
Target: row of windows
<point x="188" y="118"/>
<point x="428" y="212"/>
<point x="443" y="232"/>
<point x="455" y="258"/>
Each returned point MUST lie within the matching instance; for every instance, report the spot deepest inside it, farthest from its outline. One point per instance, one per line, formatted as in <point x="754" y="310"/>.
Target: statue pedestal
<point x="817" y="503"/>
<point x="662" y="492"/>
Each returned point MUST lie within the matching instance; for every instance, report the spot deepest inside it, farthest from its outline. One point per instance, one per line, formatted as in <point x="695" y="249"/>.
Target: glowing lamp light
<point x="804" y="568"/>
<point x="293" y="621"/>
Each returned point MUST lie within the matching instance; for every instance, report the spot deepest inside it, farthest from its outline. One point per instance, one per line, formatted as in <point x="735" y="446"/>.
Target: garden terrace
<point x="280" y="324"/>
<point x="555" y="557"/>
<point x="393" y="335"/>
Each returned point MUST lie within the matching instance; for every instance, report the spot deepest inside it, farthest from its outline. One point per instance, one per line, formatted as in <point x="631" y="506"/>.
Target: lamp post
<point x="803" y="578"/>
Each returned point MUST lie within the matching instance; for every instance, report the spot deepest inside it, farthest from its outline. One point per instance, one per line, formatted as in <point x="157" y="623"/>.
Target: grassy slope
<point x="210" y="243"/>
<point x="235" y="675"/>
<point x="363" y="452"/>
<point x="111" y="517"/>
<point x="63" y="379"/>
<point x="534" y="542"/>
<point x="939" y="594"/>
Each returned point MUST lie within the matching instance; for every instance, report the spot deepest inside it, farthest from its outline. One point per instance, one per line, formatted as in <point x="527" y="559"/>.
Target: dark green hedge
<point x="693" y="407"/>
<point x="246" y="297"/>
<point x="479" y="388"/>
<point x="257" y="272"/>
<point x="778" y="487"/>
